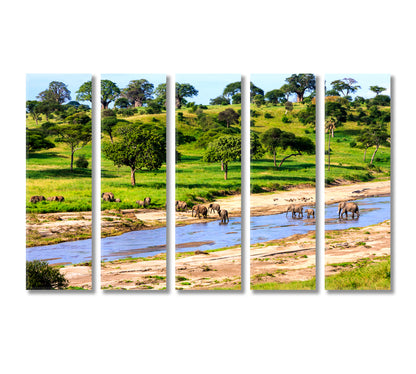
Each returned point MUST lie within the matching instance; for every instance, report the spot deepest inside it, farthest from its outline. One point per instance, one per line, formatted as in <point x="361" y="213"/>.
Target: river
<point x="208" y="235"/>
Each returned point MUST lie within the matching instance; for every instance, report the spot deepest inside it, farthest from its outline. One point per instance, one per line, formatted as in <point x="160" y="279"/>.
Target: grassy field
<point x="48" y="171"/>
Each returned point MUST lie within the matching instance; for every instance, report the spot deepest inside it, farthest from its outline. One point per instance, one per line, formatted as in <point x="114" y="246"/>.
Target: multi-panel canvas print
<point x="357" y="181"/>
<point x="208" y="181"/>
<point x="282" y="180"/>
<point x="133" y="181"/>
<point x="58" y="182"/>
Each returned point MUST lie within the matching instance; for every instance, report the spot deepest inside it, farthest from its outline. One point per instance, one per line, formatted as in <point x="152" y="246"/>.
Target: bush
<point x="81" y="162"/>
<point x="41" y="276"/>
<point x="353" y="144"/>
<point x="285" y="119"/>
<point x="267" y="115"/>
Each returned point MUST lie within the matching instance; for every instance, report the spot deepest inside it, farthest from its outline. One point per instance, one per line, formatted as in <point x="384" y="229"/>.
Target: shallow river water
<point x="209" y="235"/>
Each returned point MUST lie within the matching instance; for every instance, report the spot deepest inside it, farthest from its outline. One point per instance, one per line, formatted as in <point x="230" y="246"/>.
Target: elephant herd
<point x="201" y="210"/>
<point x="343" y="209"/>
<point x="35" y="199"/>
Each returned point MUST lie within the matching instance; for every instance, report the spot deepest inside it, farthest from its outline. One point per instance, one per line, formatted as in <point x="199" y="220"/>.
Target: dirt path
<point x="51" y="228"/>
<point x="280" y="261"/>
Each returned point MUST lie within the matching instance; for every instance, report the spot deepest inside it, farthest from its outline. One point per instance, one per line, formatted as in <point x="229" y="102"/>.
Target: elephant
<point x="56" y="198"/>
<point x="140" y="203"/>
<point x="107" y="196"/>
<point x="223" y="213"/>
<point x="36" y="199"/>
<point x="146" y="201"/>
<point x="202" y="211"/>
<point x="310" y="212"/>
<point x="117" y="200"/>
<point x="214" y="207"/>
<point x="344" y="208"/>
<point x="295" y="209"/>
<point x="195" y="209"/>
<point x="180" y="205"/>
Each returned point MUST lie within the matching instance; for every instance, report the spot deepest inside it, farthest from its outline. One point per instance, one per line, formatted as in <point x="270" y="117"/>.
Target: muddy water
<point x="209" y="235"/>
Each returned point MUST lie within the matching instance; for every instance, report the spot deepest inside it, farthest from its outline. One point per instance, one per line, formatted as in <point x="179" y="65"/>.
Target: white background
<point x="75" y="332"/>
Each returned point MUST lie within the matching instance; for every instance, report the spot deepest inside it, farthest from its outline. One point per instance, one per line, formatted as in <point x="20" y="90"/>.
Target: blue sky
<point x="36" y="83"/>
<point x="208" y="85"/>
<point x="364" y="81"/>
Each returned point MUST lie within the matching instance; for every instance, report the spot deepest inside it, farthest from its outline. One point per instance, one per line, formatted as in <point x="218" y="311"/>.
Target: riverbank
<point x="52" y="228"/>
<point x="277" y="261"/>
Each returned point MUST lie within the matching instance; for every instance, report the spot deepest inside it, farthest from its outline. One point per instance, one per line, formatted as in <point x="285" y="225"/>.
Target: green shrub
<point x="286" y="119"/>
<point x="81" y="162"/>
<point x="41" y="276"/>
<point x="267" y="115"/>
<point x="353" y="144"/>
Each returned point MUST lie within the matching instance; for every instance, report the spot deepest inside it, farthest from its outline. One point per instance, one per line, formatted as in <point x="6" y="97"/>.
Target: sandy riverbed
<point x="284" y="260"/>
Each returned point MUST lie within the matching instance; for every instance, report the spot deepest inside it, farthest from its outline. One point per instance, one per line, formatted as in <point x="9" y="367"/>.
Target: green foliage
<point x="81" y="162"/>
<point x="84" y="92"/>
<point x="345" y="86"/>
<point x="138" y="147"/>
<point x="307" y="115"/>
<point x="184" y="90"/>
<point x="220" y="100"/>
<point x="109" y="92"/>
<point x="41" y="276"/>
<point x="36" y="140"/>
<point x="267" y="115"/>
<point x="229" y="116"/>
<point x="57" y="92"/>
<point x="286" y="119"/>
<point x="300" y="83"/>
<point x="275" y="96"/>
<point x="138" y="92"/>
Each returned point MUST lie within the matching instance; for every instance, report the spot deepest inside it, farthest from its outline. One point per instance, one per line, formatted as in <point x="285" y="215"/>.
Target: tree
<point x="57" y="93"/>
<point x="34" y="109"/>
<point x="138" y="147"/>
<point x="345" y="86"/>
<point x="330" y="125"/>
<point x="160" y="93"/>
<point x="229" y="116"/>
<point x="377" y="89"/>
<point x="184" y="90"/>
<point x="308" y="115"/>
<point x="337" y="110"/>
<point x="232" y="89"/>
<point x="300" y="83"/>
<point x="219" y="100"/>
<point x="76" y="133"/>
<point x="258" y="100"/>
<point x="286" y="89"/>
<point x="225" y="150"/>
<point x="122" y="102"/>
<point x="36" y="140"/>
<point x="138" y="92"/>
<point x="297" y="144"/>
<point x="255" y="91"/>
<point x="41" y="276"/>
<point x="271" y="139"/>
<point x="275" y="96"/>
<point x="256" y="149"/>
<point x="84" y="92"/>
<point x="109" y="92"/>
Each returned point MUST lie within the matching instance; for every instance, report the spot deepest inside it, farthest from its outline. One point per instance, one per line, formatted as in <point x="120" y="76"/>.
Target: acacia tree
<point x="57" y="92"/>
<point x="137" y="147"/>
<point x="297" y="144"/>
<point x="33" y="107"/>
<point x="184" y="90"/>
<point x="76" y="133"/>
<point x="229" y="116"/>
<point x="225" y="150"/>
<point x="271" y="139"/>
<point x="138" y="92"/>
<point x="377" y="89"/>
<point x="300" y="83"/>
<point x="345" y="86"/>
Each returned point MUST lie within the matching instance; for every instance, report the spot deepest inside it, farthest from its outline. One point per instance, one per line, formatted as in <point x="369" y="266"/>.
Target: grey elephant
<point x="310" y="212"/>
<point x="140" y="203"/>
<point x="214" y="207"/>
<point x="117" y="200"/>
<point x="202" y="211"/>
<point x="56" y="198"/>
<point x="36" y="199"/>
<point x="223" y="213"/>
<point x="107" y="196"/>
<point x="344" y="208"/>
<point x="295" y="209"/>
<point x="195" y="209"/>
<point x="180" y="205"/>
<point x="146" y="201"/>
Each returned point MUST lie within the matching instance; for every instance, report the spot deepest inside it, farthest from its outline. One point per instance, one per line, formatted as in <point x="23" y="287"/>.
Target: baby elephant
<point x="214" y="207"/>
<point x="117" y="200"/>
<point x="195" y="209"/>
<point x="223" y="213"/>
<point x="140" y="203"/>
<point x="36" y="199"/>
<point x="146" y="201"/>
<point x="310" y="212"/>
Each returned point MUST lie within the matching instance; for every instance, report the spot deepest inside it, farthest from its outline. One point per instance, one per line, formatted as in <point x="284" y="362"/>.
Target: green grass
<point x="296" y="285"/>
<point x="368" y="275"/>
